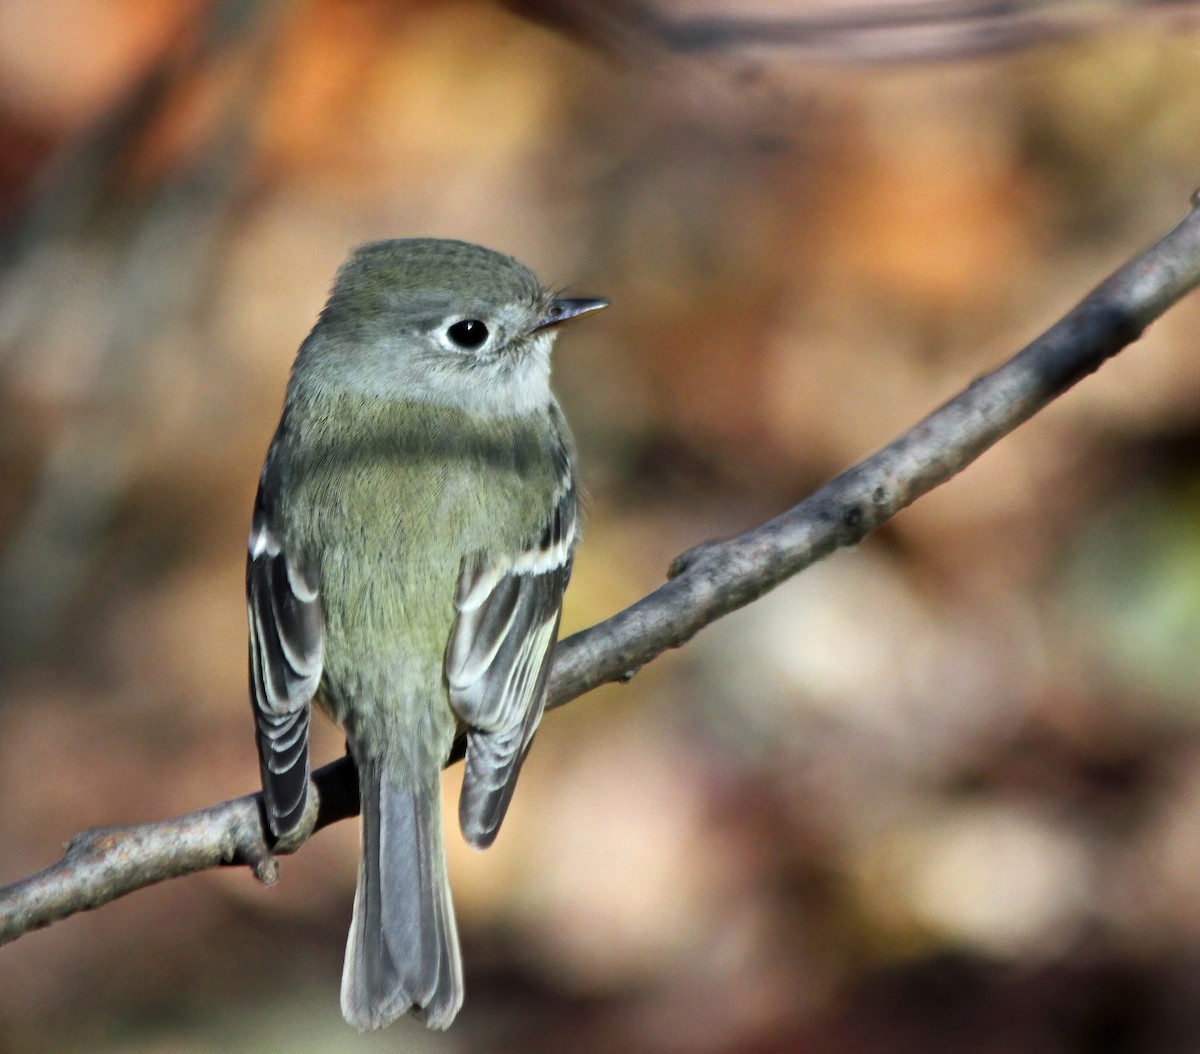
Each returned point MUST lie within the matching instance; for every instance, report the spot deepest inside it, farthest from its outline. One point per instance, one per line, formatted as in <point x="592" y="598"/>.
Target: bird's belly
<point x="387" y="621"/>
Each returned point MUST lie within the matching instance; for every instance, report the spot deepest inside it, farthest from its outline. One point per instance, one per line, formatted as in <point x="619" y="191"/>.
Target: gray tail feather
<point x="403" y="952"/>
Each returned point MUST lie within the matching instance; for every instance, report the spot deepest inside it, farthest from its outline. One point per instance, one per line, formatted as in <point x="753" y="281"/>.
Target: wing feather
<point x="484" y="629"/>
<point x="498" y="659"/>
<point x="287" y="648"/>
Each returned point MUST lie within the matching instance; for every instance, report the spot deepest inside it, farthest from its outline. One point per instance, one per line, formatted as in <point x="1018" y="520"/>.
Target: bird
<point x="413" y="533"/>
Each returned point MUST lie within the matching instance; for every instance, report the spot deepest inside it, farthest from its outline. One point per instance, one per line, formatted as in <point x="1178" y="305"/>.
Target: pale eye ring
<point x="469" y="334"/>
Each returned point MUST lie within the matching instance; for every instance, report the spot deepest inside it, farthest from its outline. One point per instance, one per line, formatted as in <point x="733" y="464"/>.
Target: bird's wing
<point x="287" y="647"/>
<point x="498" y="660"/>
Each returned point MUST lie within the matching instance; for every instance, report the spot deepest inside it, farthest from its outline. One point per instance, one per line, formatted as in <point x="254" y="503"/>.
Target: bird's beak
<point x="564" y="310"/>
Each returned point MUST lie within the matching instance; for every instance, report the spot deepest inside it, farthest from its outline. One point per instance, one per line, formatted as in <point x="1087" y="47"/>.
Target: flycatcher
<point x="413" y="534"/>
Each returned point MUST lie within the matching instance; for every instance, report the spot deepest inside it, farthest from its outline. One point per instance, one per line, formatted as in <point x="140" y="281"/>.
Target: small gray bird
<point x="413" y="534"/>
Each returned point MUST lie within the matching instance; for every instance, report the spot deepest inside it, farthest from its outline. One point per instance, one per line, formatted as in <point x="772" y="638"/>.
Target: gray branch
<point x="705" y="583"/>
<point x="871" y="32"/>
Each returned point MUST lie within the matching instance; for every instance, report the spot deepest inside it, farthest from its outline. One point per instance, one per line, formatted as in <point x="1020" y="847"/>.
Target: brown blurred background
<point x="938" y="794"/>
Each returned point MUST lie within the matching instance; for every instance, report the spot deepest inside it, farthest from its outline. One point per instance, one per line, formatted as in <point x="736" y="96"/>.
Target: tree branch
<point x="705" y="583"/>
<point x="883" y="31"/>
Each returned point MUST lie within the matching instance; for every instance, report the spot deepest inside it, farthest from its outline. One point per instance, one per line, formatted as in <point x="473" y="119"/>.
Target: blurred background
<point x="938" y="794"/>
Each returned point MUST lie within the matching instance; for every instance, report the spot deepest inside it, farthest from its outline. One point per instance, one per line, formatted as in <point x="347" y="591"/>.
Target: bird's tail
<point x="403" y="952"/>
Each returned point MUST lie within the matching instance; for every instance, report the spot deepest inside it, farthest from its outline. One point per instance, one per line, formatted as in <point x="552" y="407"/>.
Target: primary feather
<point x="287" y="644"/>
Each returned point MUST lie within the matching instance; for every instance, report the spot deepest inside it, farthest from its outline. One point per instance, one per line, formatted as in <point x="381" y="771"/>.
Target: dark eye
<point x="469" y="334"/>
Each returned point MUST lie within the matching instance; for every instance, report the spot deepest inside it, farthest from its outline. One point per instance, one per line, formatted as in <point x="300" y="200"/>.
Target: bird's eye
<point x="469" y="334"/>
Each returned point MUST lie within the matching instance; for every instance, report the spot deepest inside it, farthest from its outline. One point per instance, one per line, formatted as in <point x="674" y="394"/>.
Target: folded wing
<point x="498" y="660"/>
<point x="287" y="646"/>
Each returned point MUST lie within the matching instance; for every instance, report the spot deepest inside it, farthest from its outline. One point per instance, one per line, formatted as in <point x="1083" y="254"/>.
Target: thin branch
<point x="875" y="32"/>
<point x="886" y="32"/>
<point x="706" y="583"/>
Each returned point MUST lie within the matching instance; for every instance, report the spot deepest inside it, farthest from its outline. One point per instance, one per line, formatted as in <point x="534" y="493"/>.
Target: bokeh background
<point x="938" y="794"/>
